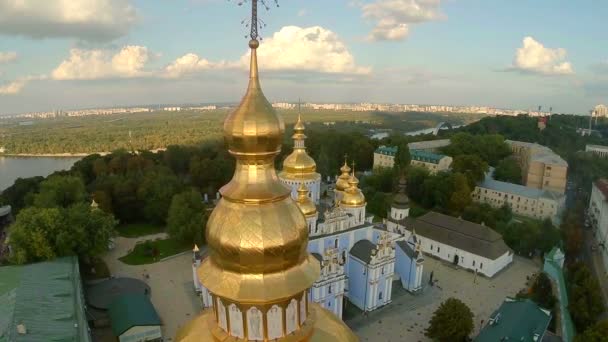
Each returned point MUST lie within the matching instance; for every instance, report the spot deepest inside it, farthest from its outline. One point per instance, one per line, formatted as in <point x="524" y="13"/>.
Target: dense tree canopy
<point x="451" y="322"/>
<point x="508" y="170"/>
<point x="60" y="191"/>
<point x="187" y="217"/>
<point x="584" y="295"/>
<point x="21" y="193"/>
<point x="595" y="333"/>
<point x="40" y="234"/>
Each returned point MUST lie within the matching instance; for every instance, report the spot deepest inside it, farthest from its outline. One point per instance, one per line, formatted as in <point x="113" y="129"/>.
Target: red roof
<point x="602" y="185"/>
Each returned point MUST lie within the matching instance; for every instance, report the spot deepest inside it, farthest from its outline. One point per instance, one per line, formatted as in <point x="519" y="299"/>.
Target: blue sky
<point x="516" y="54"/>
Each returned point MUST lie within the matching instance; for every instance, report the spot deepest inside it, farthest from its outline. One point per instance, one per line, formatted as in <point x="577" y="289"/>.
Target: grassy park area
<point x="133" y="230"/>
<point x="149" y="252"/>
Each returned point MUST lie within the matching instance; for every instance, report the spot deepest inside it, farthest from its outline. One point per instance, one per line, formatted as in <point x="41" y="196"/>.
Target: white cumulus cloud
<point x="393" y="18"/>
<point x="7" y="57"/>
<point x="313" y="49"/>
<point x="92" y="20"/>
<point x="82" y="64"/>
<point x="12" y="88"/>
<point x="534" y="57"/>
<point x="187" y="64"/>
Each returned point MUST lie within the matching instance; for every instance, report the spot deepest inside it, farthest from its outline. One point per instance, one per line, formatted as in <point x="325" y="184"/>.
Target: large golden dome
<point x="342" y="182"/>
<point x="353" y="196"/>
<point x="257" y="236"/>
<point x="307" y="207"/>
<point x="258" y="264"/>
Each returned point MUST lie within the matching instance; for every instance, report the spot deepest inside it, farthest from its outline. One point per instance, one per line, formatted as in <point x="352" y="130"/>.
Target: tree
<point x="585" y="296"/>
<point x="508" y="170"/>
<point x="20" y="194"/>
<point x="40" y="234"/>
<point x="156" y="191"/>
<point x="402" y="158"/>
<point x="595" y="333"/>
<point x="461" y="197"/>
<point x="451" y="322"/>
<point x="60" y="191"/>
<point x="542" y="292"/>
<point x="187" y="217"/>
<point x="472" y="166"/>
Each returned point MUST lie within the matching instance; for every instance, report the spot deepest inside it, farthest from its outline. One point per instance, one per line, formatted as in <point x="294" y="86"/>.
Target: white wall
<point x="466" y="260"/>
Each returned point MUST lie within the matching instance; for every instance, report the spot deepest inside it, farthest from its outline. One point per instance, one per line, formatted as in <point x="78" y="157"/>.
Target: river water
<point x="12" y="168"/>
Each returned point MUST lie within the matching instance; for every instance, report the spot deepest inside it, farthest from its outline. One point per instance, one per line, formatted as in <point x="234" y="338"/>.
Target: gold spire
<point x="306" y="205"/>
<point x="353" y="196"/>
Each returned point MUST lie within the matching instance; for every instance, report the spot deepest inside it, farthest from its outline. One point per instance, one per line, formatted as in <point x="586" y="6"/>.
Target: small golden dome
<point x="342" y="182"/>
<point x="299" y="163"/>
<point x="353" y="196"/>
<point x="307" y="207"/>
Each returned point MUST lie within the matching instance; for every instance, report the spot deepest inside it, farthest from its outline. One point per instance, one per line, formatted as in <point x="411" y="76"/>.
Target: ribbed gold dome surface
<point x="307" y="207"/>
<point x="257" y="236"/>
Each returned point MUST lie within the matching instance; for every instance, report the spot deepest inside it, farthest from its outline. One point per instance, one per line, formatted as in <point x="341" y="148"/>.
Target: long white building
<point x="598" y="215"/>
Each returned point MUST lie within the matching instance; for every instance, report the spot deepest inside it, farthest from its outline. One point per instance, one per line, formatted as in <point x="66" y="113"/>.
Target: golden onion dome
<point x="254" y="126"/>
<point x="307" y="207"/>
<point x="257" y="235"/>
<point x="342" y="182"/>
<point x="299" y="164"/>
<point x="353" y="196"/>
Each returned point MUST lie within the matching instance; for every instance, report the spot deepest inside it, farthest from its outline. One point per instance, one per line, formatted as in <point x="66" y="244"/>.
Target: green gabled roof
<point x="388" y="150"/>
<point x="46" y="298"/>
<point x="132" y="310"/>
<point x="427" y="157"/>
<point x="516" y="320"/>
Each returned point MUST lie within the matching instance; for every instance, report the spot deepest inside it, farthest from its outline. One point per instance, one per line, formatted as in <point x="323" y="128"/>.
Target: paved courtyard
<point x="170" y="282"/>
<point x="406" y="318"/>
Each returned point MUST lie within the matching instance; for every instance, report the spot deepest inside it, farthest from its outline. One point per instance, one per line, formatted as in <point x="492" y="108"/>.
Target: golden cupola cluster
<point x="258" y="271"/>
<point x="353" y="196"/>
<point x="299" y="165"/>
<point x="307" y="207"/>
<point x="342" y="182"/>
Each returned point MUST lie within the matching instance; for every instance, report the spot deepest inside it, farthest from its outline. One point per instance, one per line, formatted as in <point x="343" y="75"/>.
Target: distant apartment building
<point x="599" y="150"/>
<point x="541" y="167"/>
<point x="598" y="216"/>
<point x="384" y="156"/>
<point x="431" y="161"/>
<point x="429" y="145"/>
<point x="525" y="201"/>
<point x="600" y="111"/>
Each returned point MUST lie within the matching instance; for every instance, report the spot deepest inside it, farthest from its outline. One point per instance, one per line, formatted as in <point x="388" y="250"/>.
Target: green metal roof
<point x="132" y="310"/>
<point x="427" y="157"/>
<point x="46" y="298"/>
<point x="516" y="320"/>
<point x="388" y="150"/>
<point x="556" y="273"/>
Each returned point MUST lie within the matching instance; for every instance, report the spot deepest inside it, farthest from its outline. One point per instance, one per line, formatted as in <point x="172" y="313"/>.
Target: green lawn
<point x="132" y="230"/>
<point x="152" y="251"/>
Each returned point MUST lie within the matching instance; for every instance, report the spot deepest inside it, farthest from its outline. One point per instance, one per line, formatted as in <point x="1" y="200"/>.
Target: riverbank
<point x="65" y="155"/>
<point x="50" y="155"/>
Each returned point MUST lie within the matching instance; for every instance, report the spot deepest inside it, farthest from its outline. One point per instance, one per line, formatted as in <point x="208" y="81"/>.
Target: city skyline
<point x="103" y="53"/>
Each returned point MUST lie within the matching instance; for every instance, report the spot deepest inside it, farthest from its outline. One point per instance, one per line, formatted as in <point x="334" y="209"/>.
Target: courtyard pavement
<point x="172" y="289"/>
<point x="406" y="318"/>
